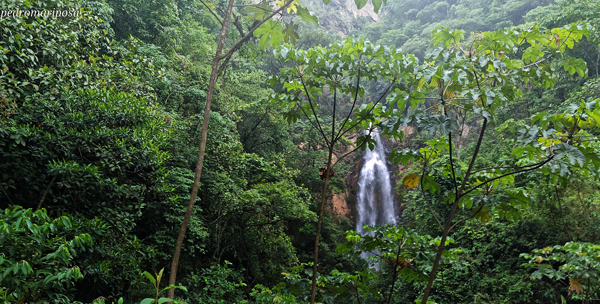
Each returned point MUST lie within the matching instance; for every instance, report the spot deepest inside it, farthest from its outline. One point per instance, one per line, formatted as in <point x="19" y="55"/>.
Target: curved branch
<point x="355" y="99"/>
<point x="354" y="150"/>
<point x="251" y="31"/>
<point x="46" y="192"/>
<point x="212" y="12"/>
<point x="374" y="105"/>
<point x="333" y="140"/>
<point x="442" y="94"/>
<point x="468" y="217"/>
<point x="309" y="120"/>
<point x="547" y="57"/>
<point x="537" y="166"/>
<point x="313" y="111"/>
<point x="494" y="168"/>
<point x="425" y="196"/>
<point x="476" y="152"/>
<point x="6" y="194"/>
<point x="395" y="272"/>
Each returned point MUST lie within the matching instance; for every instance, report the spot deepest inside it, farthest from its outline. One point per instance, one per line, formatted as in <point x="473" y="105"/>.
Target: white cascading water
<point x="375" y="200"/>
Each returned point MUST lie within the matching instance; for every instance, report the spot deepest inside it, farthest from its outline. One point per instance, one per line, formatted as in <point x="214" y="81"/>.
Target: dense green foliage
<point x="100" y="117"/>
<point x="408" y="24"/>
<point x="38" y="261"/>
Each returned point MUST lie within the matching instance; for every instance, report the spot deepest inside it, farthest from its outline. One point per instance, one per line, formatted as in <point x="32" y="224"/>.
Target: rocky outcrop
<point x="341" y="16"/>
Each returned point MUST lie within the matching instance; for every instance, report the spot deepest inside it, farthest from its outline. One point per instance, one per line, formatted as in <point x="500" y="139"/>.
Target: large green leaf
<point x="150" y="277"/>
<point x="360" y="3"/>
<point x="290" y="32"/>
<point x="270" y="33"/>
<point x="575" y="65"/>
<point x="377" y="5"/>
<point x="306" y="16"/>
<point x="484" y="215"/>
<point x="574" y="156"/>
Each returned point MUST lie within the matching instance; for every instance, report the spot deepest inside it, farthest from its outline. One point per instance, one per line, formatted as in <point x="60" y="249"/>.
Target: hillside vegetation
<point x="189" y="151"/>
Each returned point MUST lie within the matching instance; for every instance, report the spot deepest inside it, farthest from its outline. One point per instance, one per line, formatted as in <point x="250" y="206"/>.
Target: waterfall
<point x="375" y="200"/>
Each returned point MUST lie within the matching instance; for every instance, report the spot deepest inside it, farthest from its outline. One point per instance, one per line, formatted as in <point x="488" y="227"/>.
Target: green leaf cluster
<point x="37" y="263"/>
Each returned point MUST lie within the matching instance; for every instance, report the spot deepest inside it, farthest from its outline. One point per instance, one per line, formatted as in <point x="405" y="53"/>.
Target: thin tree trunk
<point x="214" y="73"/>
<point x="39" y="206"/>
<point x="587" y="292"/>
<point x="448" y="225"/>
<point x="328" y="171"/>
<point x="440" y="250"/>
<point x="395" y="273"/>
<point x="199" y="164"/>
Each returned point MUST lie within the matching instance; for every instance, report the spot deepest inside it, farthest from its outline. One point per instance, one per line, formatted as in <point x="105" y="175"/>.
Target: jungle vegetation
<point x="190" y="151"/>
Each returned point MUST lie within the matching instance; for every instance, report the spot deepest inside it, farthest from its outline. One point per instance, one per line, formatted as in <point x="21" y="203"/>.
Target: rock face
<point x="341" y="16"/>
<point x="340" y="203"/>
<point x="344" y="204"/>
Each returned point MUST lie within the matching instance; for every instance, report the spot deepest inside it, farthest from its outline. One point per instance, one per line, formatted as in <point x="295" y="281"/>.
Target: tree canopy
<point x="218" y="144"/>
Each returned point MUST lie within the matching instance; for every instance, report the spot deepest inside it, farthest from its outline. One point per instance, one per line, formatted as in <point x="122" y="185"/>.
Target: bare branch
<point x="374" y="105"/>
<point x="251" y="31"/>
<point x="253" y="5"/>
<point x="475" y="153"/>
<point x="395" y="272"/>
<point x="468" y="217"/>
<point x="425" y="195"/>
<point x="218" y="7"/>
<point x="442" y="94"/>
<point x="493" y="168"/>
<point x="354" y="150"/>
<point x="6" y="194"/>
<point x="355" y="98"/>
<point x="212" y="12"/>
<point x="313" y="110"/>
<point x="46" y="192"/>
<point x="333" y="139"/>
<point x="311" y="122"/>
<point x="538" y="165"/>
<point x="547" y="57"/>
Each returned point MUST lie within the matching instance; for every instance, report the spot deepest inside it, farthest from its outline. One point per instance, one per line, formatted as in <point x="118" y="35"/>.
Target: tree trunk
<point x="440" y="250"/>
<point x="328" y="171"/>
<point x="214" y="74"/>
<point x="39" y="206"/>
<point x="459" y="193"/>
<point x="199" y="164"/>
<point x="395" y="273"/>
